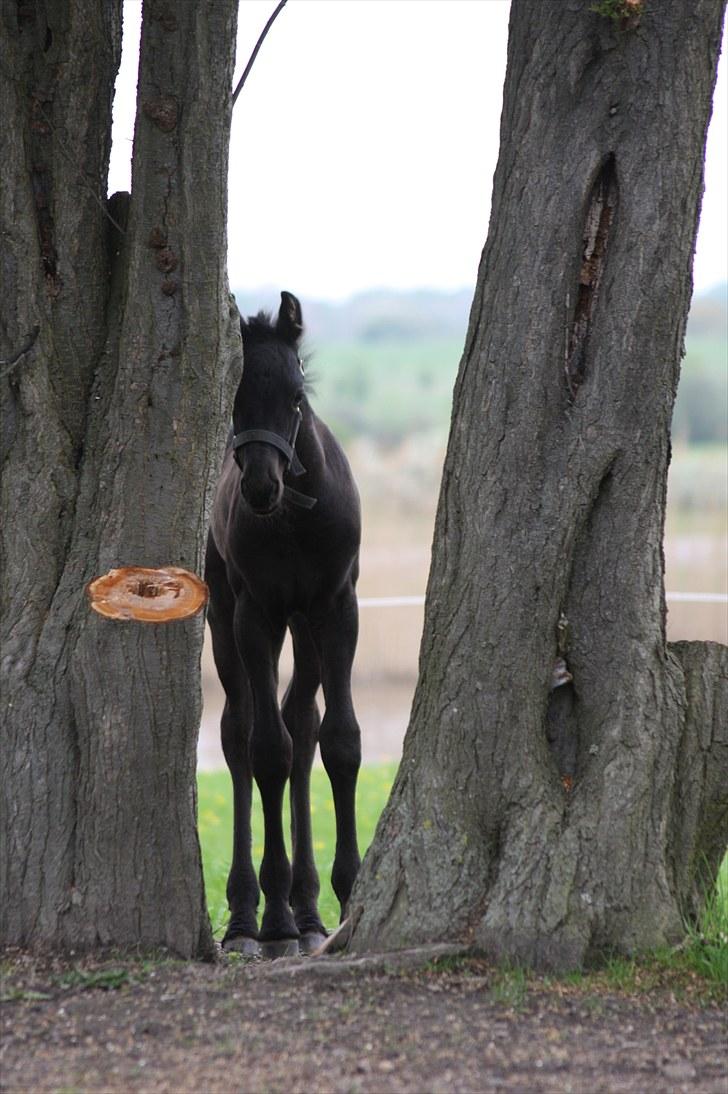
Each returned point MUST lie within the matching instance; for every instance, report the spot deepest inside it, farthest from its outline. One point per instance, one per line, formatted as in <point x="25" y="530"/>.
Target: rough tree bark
<point x="112" y="422"/>
<point x="549" y="530"/>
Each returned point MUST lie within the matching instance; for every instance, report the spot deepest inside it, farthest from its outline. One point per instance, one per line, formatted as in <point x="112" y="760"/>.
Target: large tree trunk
<point x="549" y="530"/>
<point x="112" y="422"/>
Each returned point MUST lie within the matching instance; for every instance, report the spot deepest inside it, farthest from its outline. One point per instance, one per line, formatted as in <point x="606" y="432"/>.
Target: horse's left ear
<point x="290" y="319"/>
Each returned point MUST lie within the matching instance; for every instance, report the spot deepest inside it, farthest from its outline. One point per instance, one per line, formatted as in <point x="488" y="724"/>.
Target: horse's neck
<point x="310" y="443"/>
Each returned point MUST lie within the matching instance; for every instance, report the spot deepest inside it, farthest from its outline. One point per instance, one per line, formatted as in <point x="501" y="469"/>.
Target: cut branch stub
<point x="146" y="595"/>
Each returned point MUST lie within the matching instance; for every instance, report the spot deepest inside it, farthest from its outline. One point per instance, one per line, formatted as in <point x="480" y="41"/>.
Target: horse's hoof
<point x="244" y="945"/>
<point x="280" y="947"/>
<point x="338" y="940"/>
<point x="309" y="942"/>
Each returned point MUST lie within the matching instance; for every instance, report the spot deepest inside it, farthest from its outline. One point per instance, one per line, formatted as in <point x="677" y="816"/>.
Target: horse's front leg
<point x="259" y="640"/>
<point x="242" y="886"/>
<point x="339" y="737"/>
<point x="302" y="721"/>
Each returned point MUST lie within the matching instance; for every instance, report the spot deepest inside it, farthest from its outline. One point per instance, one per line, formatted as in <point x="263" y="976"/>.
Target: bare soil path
<point x="329" y="1025"/>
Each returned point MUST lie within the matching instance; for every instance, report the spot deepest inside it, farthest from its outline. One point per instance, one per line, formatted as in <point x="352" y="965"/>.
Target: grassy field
<point x="387" y="391"/>
<point x="705" y="950"/>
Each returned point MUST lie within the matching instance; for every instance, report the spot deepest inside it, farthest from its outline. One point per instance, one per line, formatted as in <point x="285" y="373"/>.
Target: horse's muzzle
<point x="262" y="499"/>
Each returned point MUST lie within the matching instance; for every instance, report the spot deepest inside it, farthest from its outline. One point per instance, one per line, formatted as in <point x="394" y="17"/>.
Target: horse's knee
<point x="234" y="734"/>
<point x="301" y="716"/>
<point x="340" y="744"/>
<point x="272" y="757"/>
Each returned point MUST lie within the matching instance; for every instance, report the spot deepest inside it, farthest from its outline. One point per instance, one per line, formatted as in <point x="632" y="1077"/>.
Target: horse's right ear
<point x="290" y="319"/>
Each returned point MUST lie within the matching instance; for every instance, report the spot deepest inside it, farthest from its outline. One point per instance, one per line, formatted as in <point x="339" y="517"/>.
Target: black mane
<point x="259" y="328"/>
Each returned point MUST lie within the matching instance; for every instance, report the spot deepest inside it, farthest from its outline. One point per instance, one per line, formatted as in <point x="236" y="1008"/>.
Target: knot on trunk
<point x="162" y="111"/>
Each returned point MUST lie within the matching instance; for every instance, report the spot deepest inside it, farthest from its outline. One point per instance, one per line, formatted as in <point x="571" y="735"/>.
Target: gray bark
<point x="552" y="505"/>
<point x="112" y="429"/>
<point x="699" y="810"/>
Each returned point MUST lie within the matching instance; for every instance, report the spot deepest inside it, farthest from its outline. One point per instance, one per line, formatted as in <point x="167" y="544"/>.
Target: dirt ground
<point x="412" y="1023"/>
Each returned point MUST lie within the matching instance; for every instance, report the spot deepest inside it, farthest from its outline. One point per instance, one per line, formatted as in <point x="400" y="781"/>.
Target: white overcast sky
<point x="364" y="143"/>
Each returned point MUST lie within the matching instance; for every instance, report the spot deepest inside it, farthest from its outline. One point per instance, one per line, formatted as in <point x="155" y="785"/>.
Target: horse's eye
<point x="298" y="399"/>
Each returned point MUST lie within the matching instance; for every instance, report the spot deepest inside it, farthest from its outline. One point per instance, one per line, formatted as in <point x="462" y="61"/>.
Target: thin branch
<point x="7" y="366"/>
<point x="254" y="54"/>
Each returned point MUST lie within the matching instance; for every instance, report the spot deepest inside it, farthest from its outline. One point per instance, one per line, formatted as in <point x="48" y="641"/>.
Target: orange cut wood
<point x="146" y="595"/>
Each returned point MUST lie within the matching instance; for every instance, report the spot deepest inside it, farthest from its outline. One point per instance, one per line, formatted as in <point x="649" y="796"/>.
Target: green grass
<point x="509" y="987"/>
<point x="706" y="946"/>
<point x="215" y="819"/>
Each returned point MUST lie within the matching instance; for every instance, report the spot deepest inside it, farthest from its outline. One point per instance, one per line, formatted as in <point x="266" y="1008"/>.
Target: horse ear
<point x="290" y="319"/>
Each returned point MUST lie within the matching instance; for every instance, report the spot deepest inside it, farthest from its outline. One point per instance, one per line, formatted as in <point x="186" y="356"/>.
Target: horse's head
<point x="268" y="405"/>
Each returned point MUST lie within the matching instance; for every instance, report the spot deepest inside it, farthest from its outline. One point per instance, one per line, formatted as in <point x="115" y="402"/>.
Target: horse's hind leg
<point x="339" y="736"/>
<point x="242" y="886"/>
<point x="301" y="716"/>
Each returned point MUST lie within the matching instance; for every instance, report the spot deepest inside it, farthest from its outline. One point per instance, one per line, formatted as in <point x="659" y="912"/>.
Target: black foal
<point x="283" y="552"/>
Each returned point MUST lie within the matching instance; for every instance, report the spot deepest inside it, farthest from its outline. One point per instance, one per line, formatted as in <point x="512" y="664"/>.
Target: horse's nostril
<point x="262" y="497"/>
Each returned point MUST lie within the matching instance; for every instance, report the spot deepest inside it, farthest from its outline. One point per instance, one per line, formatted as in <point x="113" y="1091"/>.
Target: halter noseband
<point x="288" y="448"/>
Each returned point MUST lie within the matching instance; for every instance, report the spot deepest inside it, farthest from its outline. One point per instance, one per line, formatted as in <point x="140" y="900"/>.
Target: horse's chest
<point x="283" y="566"/>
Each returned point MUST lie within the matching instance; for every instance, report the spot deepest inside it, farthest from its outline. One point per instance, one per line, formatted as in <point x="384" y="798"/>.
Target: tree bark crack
<point x="600" y="213"/>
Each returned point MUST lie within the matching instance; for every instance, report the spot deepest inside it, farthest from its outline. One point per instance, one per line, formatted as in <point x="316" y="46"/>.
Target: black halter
<point x="288" y="448"/>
